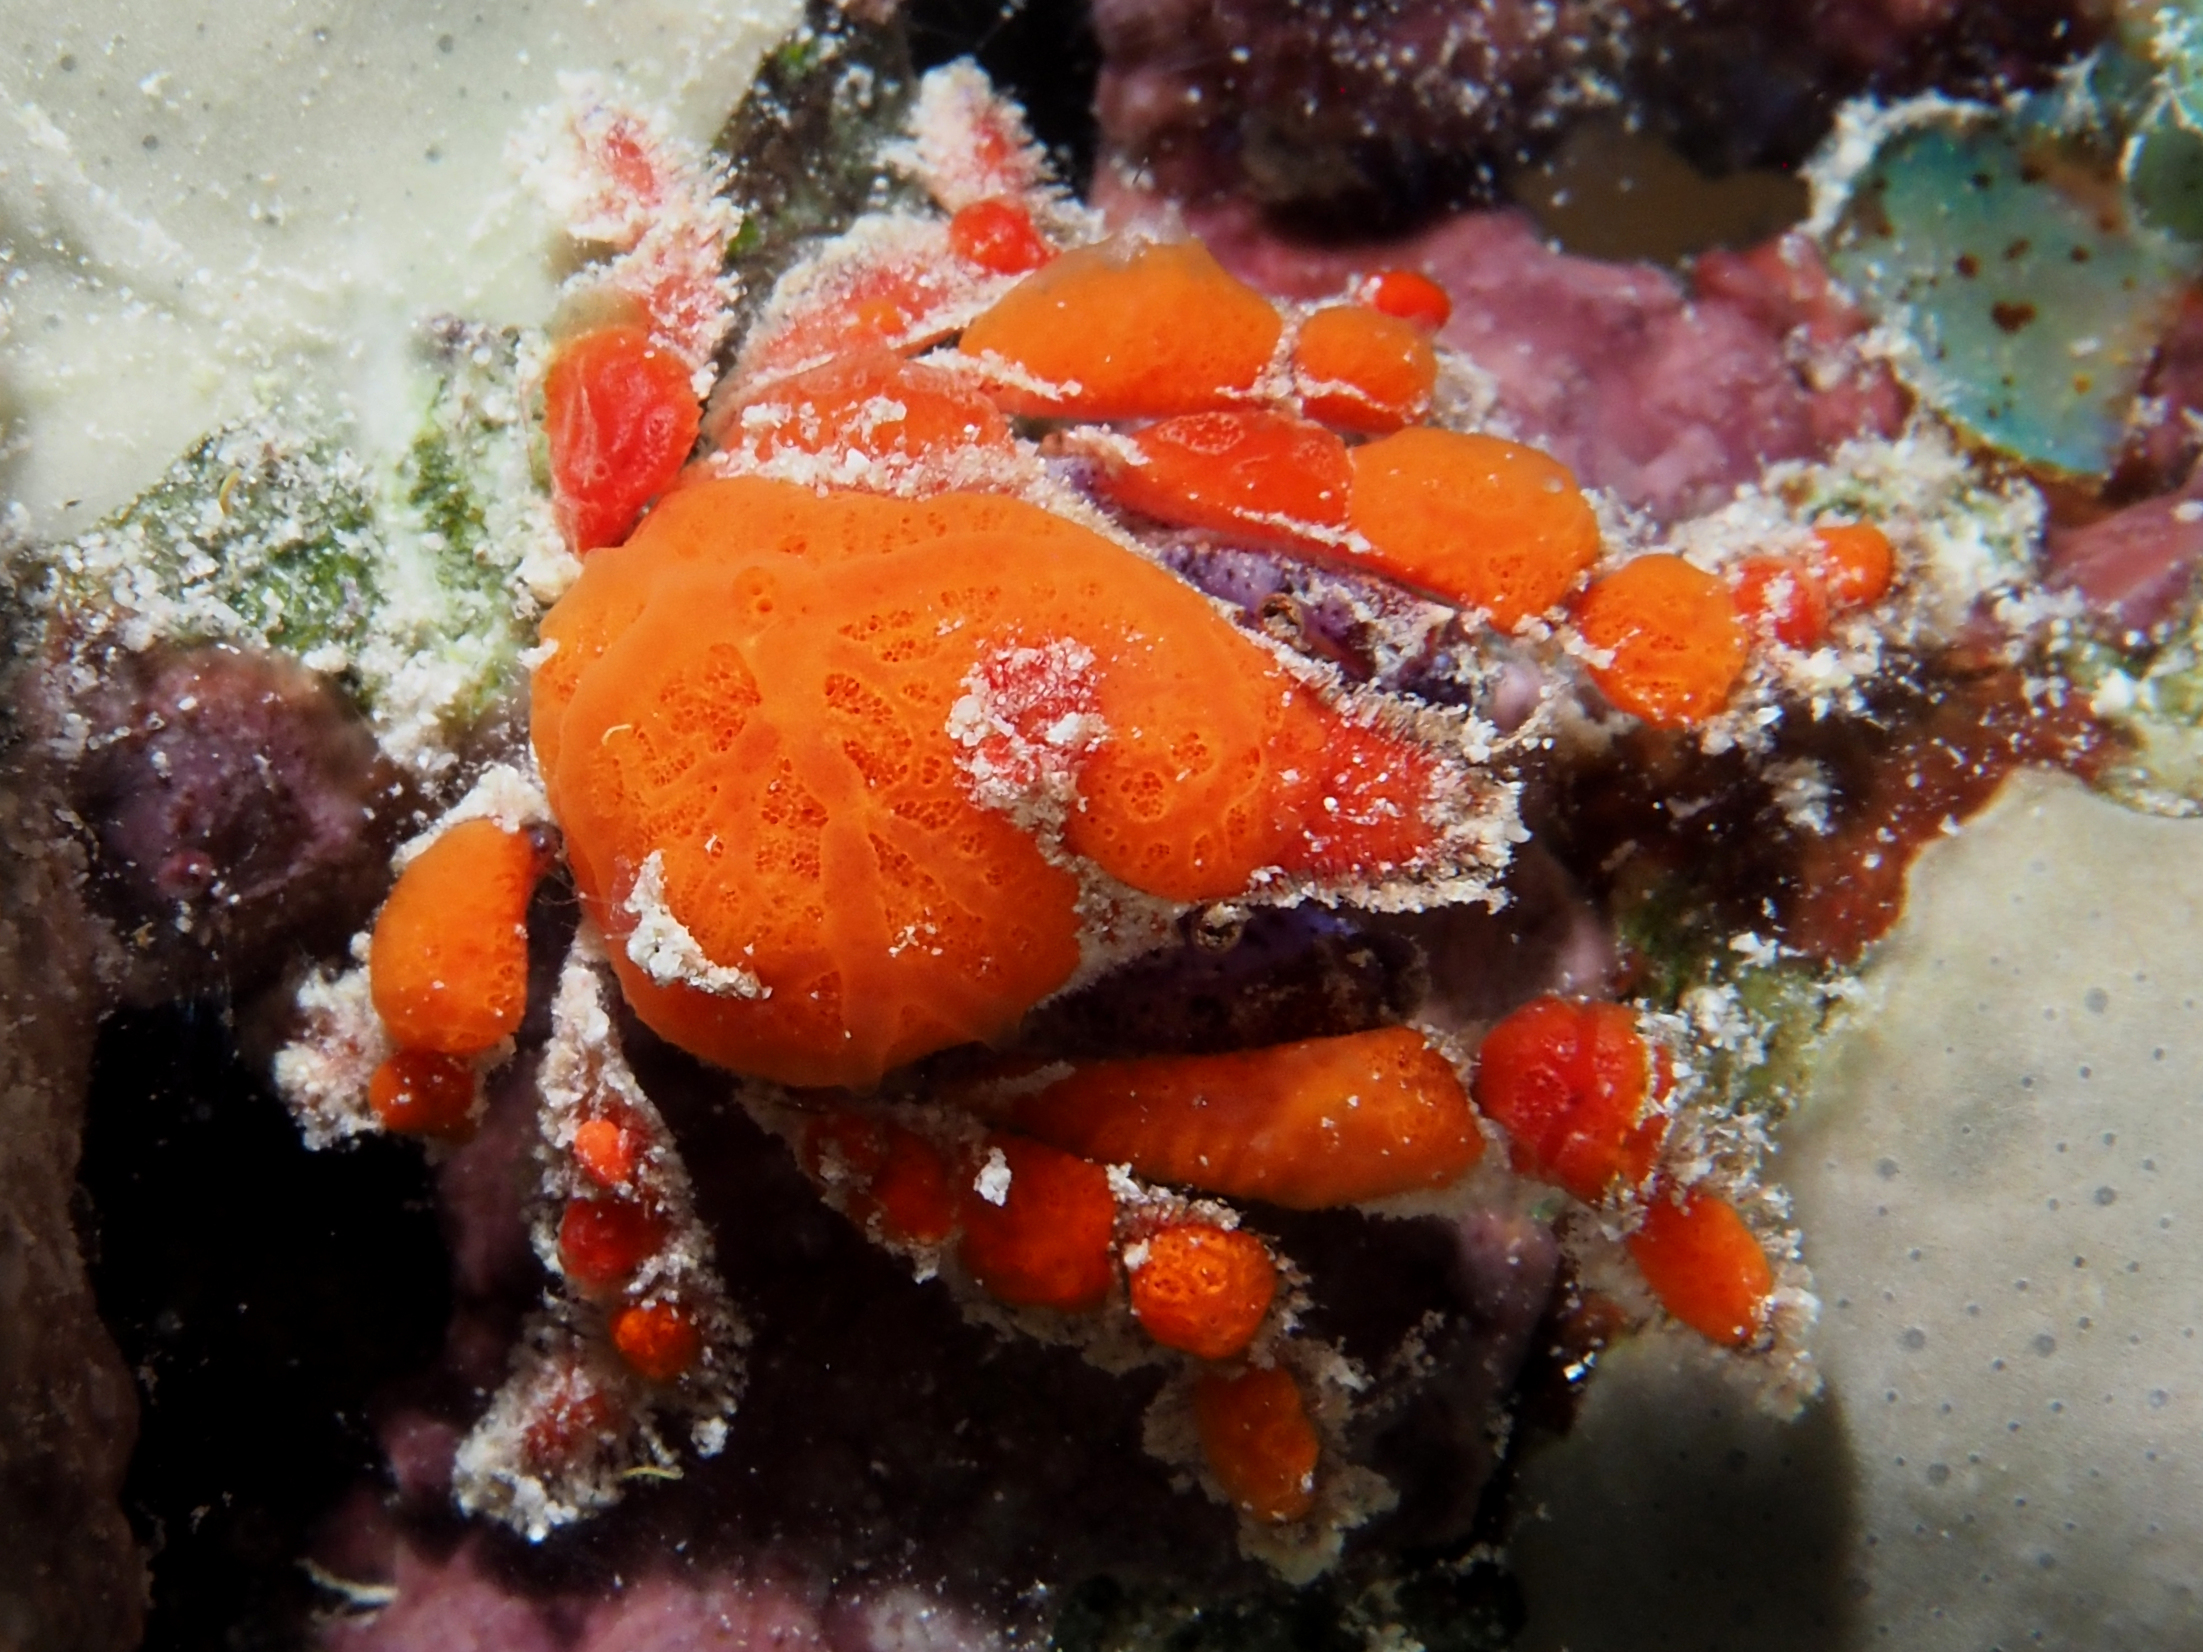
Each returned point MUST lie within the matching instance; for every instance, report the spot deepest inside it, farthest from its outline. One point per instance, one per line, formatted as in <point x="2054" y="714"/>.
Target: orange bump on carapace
<point x="601" y="1242"/>
<point x="1363" y="370"/>
<point x="1570" y="1083"/>
<point x="1046" y="1244"/>
<point x="1678" y="645"/>
<point x="423" y="1093"/>
<point x="998" y="236"/>
<point x="884" y="1170"/>
<point x="758" y="689"/>
<point x="1782" y="595"/>
<point x="1258" y="1441"/>
<point x="1128" y="331"/>
<point x="620" y="416"/>
<point x="607" y="1151"/>
<point x="1327" y="1121"/>
<point x="873" y="402"/>
<point x="1249" y="472"/>
<point x="1409" y="295"/>
<point x="1704" y="1264"/>
<point x="448" y="965"/>
<point x="659" y="1340"/>
<point x="1856" y="562"/>
<point x="1474" y="520"/>
<point x="1204" y="1289"/>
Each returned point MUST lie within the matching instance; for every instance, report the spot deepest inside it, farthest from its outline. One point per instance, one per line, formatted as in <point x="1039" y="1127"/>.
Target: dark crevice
<point x="261" y="1295"/>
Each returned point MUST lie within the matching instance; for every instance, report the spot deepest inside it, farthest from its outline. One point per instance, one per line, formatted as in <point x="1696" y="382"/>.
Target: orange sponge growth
<point x="1409" y="295"/>
<point x="422" y="1093"/>
<point x="1126" y="332"/>
<point x="1570" y="1084"/>
<point x="449" y="961"/>
<point x="1037" y="1227"/>
<point x="607" y="1151"/>
<point x="620" y="417"/>
<point x="657" y="1339"/>
<point x="1856" y="562"/>
<point x="997" y="235"/>
<point x="1476" y="521"/>
<point x="1705" y="1265"/>
<point x="886" y="1171"/>
<point x="1251" y="473"/>
<point x="1258" y="1441"/>
<point x="1677" y="643"/>
<point x="1327" y="1121"/>
<point x="1361" y="369"/>
<point x="758" y="690"/>
<point x="1204" y="1289"/>
<point x="875" y="403"/>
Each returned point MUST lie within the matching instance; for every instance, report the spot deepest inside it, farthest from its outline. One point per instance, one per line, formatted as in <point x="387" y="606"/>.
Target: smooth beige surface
<point x="206" y="206"/>
<point x="2001" y="1184"/>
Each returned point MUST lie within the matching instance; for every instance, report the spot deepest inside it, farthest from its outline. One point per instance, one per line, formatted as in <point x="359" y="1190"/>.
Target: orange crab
<point x="884" y="725"/>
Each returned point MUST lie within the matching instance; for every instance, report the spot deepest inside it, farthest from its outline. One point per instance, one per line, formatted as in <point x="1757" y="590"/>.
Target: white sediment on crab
<point x="967" y="142"/>
<point x="1347" y="1494"/>
<point x="503" y="1469"/>
<point x="912" y="247"/>
<point x="607" y="167"/>
<point x="661" y="946"/>
<point x="322" y="1074"/>
<point x="508" y="795"/>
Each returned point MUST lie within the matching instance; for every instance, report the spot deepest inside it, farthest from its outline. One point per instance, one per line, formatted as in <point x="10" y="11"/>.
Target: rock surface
<point x="1992" y="1180"/>
<point x="70" y="1575"/>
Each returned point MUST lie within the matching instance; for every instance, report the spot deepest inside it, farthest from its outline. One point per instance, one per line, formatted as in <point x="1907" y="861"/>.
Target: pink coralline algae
<point x="1667" y="398"/>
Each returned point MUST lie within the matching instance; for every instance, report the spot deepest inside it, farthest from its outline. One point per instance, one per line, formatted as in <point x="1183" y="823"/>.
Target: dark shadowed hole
<point x="261" y="1294"/>
<point x="1041" y="52"/>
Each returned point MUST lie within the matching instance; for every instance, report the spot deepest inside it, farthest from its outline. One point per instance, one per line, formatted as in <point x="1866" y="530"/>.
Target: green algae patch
<point x="414" y="582"/>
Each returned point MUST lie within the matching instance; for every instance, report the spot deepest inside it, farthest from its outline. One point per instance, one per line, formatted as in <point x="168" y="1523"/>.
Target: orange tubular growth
<point x="1327" y="1121"/>
<point x="1677" y="642"/>
<point x="1363" y="370"/>
<point x="1128" y="332"/>
<point x="997" y="236"/>
<point x="1705" y="1265"/>
<point x="758" y="689"/>
<point x="1259" y="1443"/>
<point x="1570" y="1083"/>
<point x="1047" y="1244"/>
<point x="421" y="1093"/>
<point x="1475" y="521"/>
<point x="1204" y="1289"/>
<point x="1251" y="473"/>
<point x="620" y="416"/>
<point x="449" y="961"/>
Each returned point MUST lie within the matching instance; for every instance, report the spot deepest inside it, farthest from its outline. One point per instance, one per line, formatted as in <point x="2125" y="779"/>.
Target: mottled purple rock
<point x="1613" y="368"/>
<point x="240" y="811"/>
<point x="2136" y="567"/>
<point x="1301" y="101"/>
